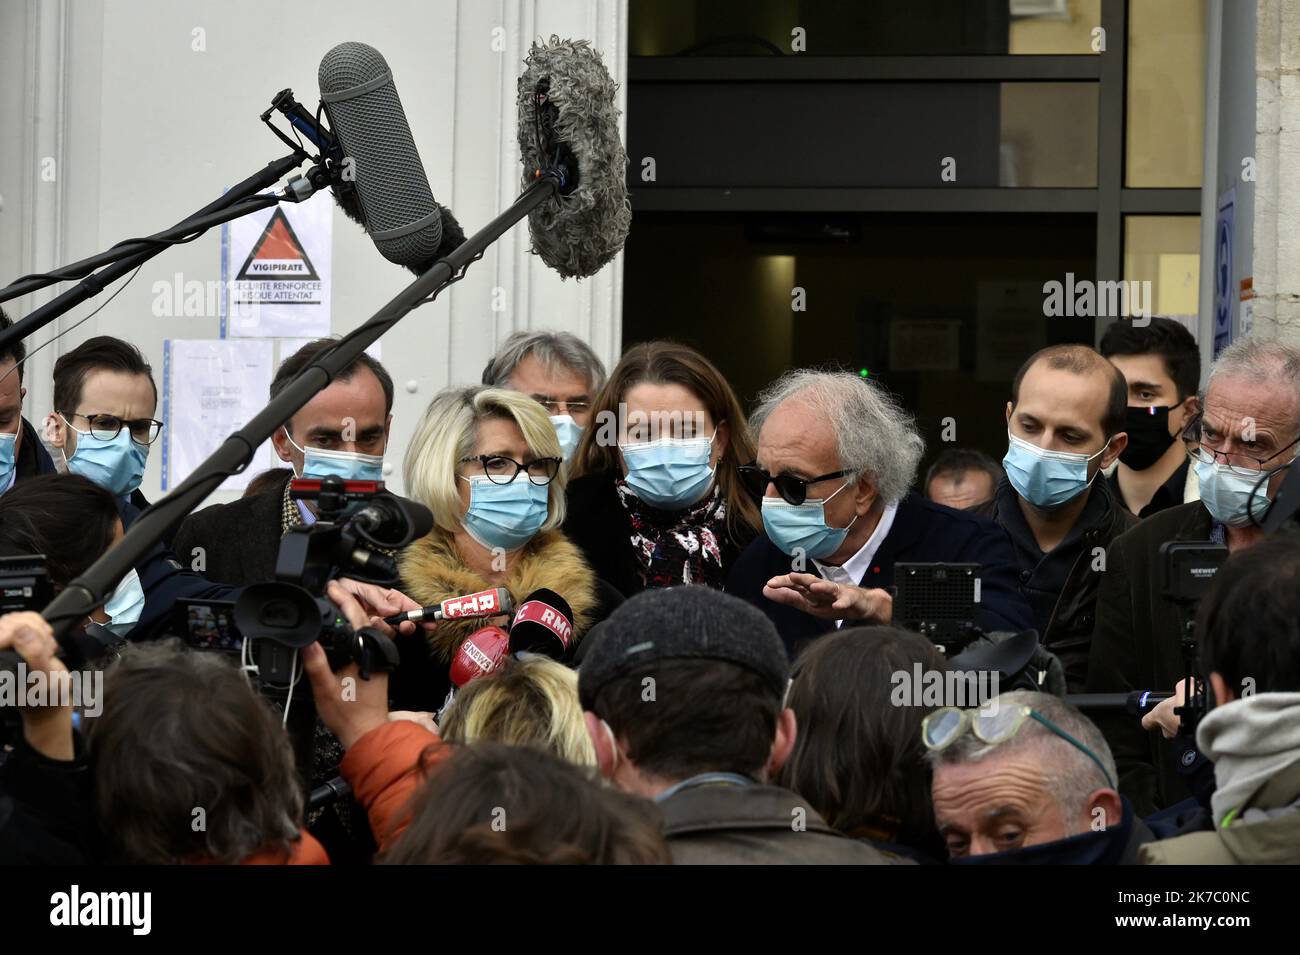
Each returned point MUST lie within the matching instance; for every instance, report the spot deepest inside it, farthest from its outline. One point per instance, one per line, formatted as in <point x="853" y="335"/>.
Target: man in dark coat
<point x="683" y="696"/>
<point x="1250" y="428"/>
<point x="836" y="455"/>
<point x="1065" y="425"/>
<point x="26" y="457"/>
<point x="1250" y="650"/>
<point x="342" y="430"/>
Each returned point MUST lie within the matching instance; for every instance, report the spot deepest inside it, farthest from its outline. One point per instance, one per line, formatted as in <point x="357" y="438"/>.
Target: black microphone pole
<point x="87" y="592"/>
<point x="236" y="201"/>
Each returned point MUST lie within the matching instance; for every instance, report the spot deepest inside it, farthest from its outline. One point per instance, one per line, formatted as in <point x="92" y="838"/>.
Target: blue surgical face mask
<point x="117" y="465"/>
<point x="671" y="473"/>
<point x="569" y="432"/>
<point x="803" y="527"/>
<point x="8" y="460"/>
<point x="350" y="465"/>
<point x="1046" y="479"/>
<point x="1230" y="495"/>
<point x="125" y="605"/>
<point x="505" y="515"/>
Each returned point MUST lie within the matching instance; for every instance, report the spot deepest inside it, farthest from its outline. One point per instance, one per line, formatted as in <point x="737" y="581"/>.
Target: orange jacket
<point x="383" y="769"/>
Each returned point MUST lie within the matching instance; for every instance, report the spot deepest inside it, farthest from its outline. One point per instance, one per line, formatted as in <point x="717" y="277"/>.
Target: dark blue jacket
<point x="33" y="459"/>
<point x="922" y="532"/>
<point x="1117" y="845"/>
<point x="164" y="581"/>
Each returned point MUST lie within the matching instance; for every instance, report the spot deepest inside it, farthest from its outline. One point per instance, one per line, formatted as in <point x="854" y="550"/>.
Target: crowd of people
<point x="730" y="692"/>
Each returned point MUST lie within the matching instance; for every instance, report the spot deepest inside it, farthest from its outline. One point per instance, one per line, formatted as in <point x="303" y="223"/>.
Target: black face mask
<point x="1148" y="437"/>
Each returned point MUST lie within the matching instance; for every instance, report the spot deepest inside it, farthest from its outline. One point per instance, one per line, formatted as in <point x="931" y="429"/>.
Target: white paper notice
<point x="278" y="263"/>
<point x="211" y="389"/>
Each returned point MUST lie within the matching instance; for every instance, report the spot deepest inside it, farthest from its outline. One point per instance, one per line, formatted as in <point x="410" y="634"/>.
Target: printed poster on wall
<point x="276" y="268"/>
<point x="213" y="388"/>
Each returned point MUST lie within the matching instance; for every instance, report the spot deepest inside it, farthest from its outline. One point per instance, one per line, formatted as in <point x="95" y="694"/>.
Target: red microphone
<point x="486" y="603"/>
<point x="482" y="653"/>
<point x="543" y="624"/>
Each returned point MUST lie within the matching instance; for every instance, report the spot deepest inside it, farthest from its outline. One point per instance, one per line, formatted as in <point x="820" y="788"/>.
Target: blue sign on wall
<point x="1223" y="278"/>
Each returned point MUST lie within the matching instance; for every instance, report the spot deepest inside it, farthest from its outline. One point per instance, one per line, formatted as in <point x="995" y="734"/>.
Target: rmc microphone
<point x="542" y="624"/>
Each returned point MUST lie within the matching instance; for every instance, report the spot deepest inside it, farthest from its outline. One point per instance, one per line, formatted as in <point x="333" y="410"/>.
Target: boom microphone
<point x="543" y="624"/>
<point x="568" y="120"/>
<point x="392" y="199"/>
<point x="486" y="603"/>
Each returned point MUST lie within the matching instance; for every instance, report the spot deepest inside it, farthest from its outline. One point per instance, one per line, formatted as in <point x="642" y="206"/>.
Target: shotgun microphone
<point x="391" y="199"/>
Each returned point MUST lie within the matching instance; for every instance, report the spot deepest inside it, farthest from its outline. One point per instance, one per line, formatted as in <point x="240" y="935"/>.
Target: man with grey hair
<point x="1027" y="780"/>
<point x="1248" y="434"/>
<point x="559" y="370"/>
<point x="837" y="455"/>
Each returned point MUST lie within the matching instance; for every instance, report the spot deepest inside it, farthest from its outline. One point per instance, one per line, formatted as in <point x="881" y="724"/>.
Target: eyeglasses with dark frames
<point x="106" y="427"/>
<point x="503" y="470"/>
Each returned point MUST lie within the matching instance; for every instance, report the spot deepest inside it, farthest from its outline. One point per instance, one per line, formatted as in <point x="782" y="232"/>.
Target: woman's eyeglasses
<point x="502" y="470"/>
<point x="793" y="490"/>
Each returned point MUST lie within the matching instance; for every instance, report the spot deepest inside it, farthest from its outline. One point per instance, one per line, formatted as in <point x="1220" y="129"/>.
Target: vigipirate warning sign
<point x="282" y="286"/>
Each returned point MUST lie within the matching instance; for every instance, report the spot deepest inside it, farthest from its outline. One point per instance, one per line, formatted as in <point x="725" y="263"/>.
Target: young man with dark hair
<point x="22" y="455"/>
<point x="342" y="430"/>
<point x="1065" y="424"/>
<point x="683" y="694"/>
<point x="103" y="417"/>
<point x="1162" y="367"/>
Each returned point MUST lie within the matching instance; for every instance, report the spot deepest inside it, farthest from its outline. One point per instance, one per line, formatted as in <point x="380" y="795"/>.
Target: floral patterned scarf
<point x="677" y="547"/>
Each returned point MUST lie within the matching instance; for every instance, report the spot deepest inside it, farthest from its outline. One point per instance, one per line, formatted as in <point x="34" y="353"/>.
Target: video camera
<point x="358" y="527"/>
<point x="25" y="585"/>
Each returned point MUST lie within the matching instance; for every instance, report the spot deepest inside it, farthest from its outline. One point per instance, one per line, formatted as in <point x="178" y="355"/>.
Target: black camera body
<point x="938" y="601"/>
<point x="1189" y="569"/>
<point x="24" y="584"/>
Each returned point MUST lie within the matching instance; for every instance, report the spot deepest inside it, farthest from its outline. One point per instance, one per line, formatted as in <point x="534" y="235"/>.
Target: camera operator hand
<point x="381" y="602"/>
<point x="47" y="728"/>
<point x="830" y="601"/>
<point x="347" y="704"/>
<point x="1163" y="715"/>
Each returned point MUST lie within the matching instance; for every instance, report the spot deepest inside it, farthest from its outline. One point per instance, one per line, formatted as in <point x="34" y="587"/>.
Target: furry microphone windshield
<point x="568" y="120"/>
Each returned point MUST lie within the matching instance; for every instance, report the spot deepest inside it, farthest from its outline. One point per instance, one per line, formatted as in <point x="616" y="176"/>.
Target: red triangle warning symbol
<point x="277" y="254"/>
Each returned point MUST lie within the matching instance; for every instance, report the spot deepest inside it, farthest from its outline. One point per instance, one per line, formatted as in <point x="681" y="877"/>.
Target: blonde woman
<point x="531" y="701"/>
<point x="486" y="461"/>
